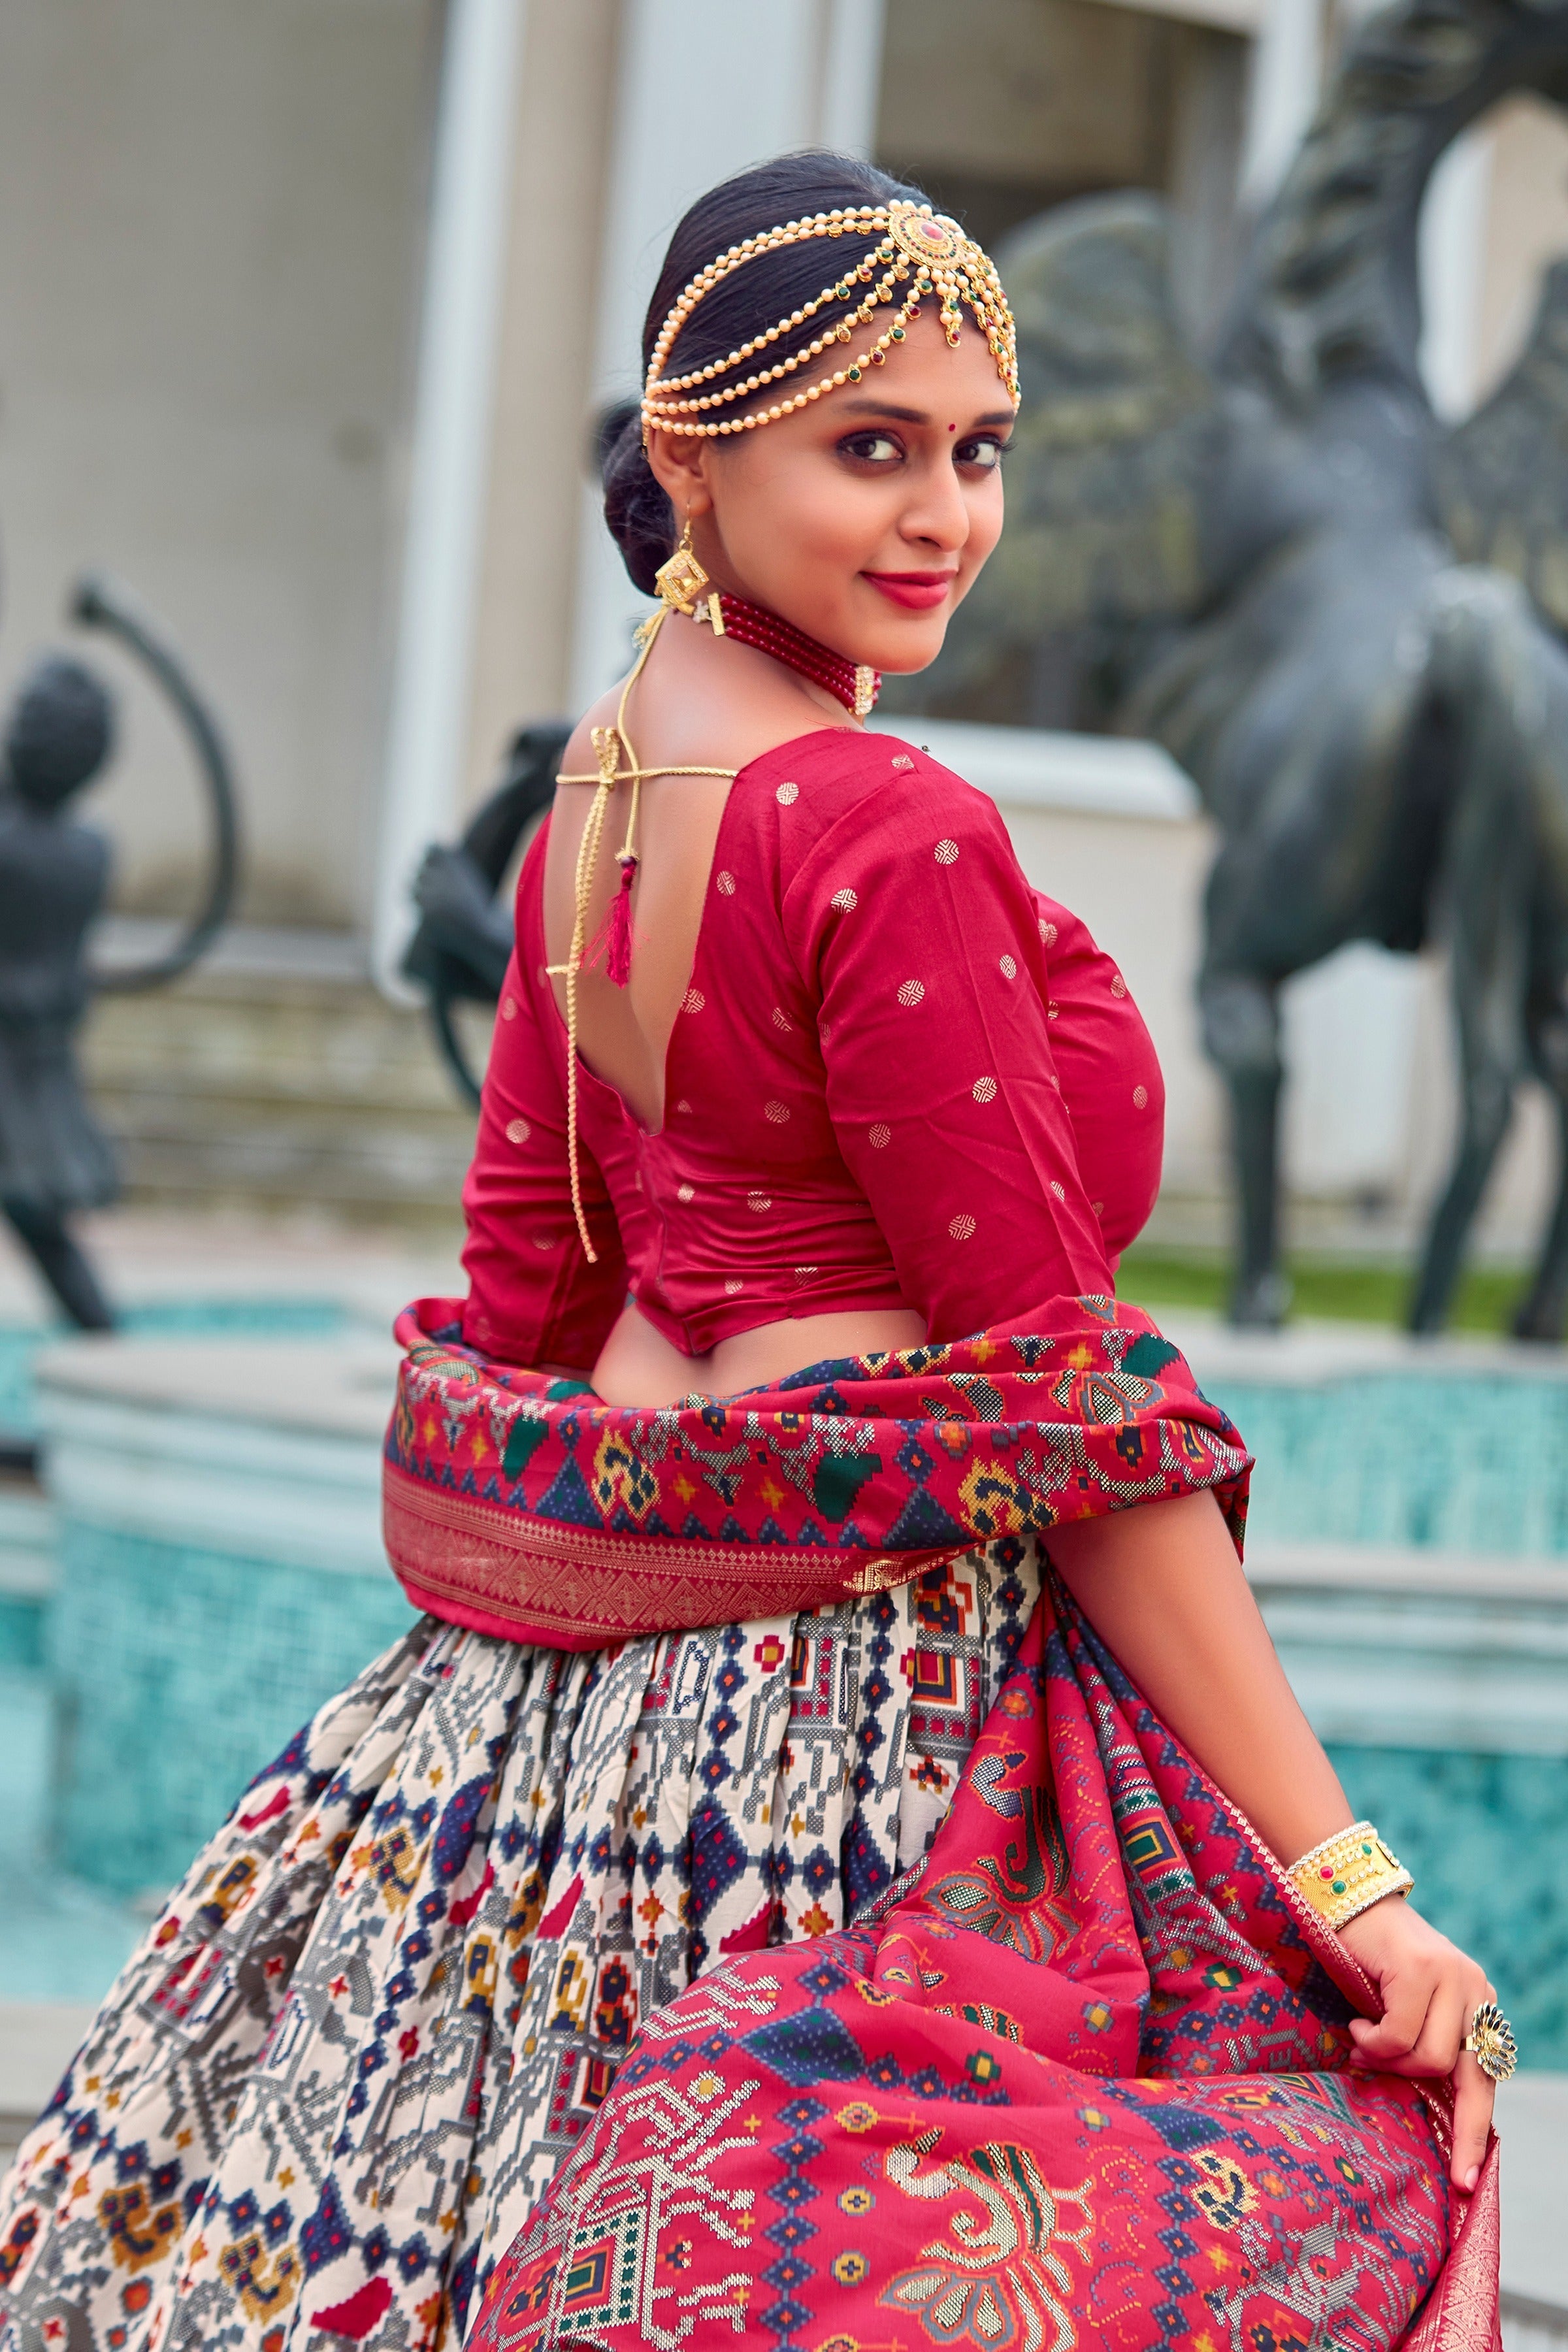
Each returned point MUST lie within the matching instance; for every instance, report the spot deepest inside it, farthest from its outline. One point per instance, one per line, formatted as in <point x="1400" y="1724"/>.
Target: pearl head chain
<point x="916" y="248"/>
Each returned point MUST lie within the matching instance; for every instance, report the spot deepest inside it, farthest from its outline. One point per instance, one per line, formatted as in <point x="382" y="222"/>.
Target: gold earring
<point x="681" y="580"/>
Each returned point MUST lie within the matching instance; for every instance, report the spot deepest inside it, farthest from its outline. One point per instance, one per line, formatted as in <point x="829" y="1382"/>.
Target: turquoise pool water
<point x="290" y="1642"/>
<point x="1473" y="1465"/>
<point x="201" y="1668"/>
<point x="1463" y="1463"/>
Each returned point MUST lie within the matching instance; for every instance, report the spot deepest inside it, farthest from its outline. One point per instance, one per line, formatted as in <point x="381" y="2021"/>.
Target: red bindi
<point x="952" y="428"/>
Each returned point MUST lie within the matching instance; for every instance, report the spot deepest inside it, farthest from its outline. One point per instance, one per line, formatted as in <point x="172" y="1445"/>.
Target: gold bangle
<point x="1348" y="1872"/>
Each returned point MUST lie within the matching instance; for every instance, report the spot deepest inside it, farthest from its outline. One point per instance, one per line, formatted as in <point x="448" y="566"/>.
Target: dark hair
<point x="753" y="298"/>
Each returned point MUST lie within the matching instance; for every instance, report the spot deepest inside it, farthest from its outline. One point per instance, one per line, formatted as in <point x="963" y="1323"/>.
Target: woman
<point x="795" y="1085"/>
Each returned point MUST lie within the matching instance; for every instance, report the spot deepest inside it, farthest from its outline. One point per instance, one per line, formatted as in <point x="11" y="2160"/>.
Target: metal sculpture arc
<point x="99" y="603"/>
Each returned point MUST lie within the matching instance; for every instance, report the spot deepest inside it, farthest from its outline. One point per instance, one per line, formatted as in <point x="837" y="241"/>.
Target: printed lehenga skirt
<point x="390" y="1996"/>
<point x="875" y="1970"/>
<point x="1079" y="2081"/>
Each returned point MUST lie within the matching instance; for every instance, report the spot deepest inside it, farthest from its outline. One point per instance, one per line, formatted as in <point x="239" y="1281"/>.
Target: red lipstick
<point x="917" y="591"/>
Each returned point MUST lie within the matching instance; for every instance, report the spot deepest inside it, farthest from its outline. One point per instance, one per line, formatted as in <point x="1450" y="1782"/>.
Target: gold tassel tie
<point x="611" y="745"/>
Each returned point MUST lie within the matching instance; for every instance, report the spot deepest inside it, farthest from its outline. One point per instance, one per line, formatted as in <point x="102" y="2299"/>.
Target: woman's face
<point x="865" y="517"/>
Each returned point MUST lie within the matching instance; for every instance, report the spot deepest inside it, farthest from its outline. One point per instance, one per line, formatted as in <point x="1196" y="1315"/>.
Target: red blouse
<point x="900" y="1077"/>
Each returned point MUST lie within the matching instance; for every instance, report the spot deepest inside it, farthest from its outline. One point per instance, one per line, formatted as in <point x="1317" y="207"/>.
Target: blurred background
<point x="305" y="311"/>
<point x="357" y="490"/>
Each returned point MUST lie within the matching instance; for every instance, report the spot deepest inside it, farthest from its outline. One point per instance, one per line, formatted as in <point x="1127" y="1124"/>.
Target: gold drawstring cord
<point x="609" y="743"/>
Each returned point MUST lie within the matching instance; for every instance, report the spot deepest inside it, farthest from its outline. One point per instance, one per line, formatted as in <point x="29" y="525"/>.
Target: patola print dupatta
<point x="1081" y="2080"/>
<point x="522" y="1505"/>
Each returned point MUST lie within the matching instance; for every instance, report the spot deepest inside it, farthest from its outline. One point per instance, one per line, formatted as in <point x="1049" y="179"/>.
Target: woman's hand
<point x="1163" y="1585"/>
<point x="1430" y="1993"/>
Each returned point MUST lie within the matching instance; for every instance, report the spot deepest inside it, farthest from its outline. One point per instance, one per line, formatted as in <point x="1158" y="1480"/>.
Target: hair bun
<point x="640" y="518"/>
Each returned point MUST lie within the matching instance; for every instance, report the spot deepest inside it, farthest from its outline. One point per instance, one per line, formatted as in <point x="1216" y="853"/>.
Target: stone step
<point x="259" y="1089"/>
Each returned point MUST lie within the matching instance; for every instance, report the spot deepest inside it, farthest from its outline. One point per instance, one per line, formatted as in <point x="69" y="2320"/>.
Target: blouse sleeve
<point x="533" y="1298"/>
<point x="914" y="924"/>
<point x="1110" y="1073"/>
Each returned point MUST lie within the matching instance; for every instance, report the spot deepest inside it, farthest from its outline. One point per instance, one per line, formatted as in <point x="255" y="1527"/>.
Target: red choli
<point x="900" y="1077"/>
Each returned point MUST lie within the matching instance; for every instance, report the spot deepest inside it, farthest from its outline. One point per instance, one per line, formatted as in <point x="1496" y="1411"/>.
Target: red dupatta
<point x="522" y="1505"/>
<point x="1083" y="2076"/>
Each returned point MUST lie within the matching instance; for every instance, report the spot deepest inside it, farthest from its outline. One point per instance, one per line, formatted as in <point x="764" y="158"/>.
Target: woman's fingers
<point x="1420" y="2033"/>
<point x="1473" y="2096"/>
<point x="1391" y="2042"/>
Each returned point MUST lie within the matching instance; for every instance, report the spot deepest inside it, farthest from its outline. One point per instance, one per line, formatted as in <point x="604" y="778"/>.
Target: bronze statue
<point x="1340" y="616"/>
<point x="55" y="1159"/>
<point x="462" y="946"/>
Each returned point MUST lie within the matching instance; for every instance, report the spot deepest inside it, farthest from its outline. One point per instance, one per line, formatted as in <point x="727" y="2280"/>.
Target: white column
<point x="1452" y="256"/>
<point x="456" y="381"/>
<point x="1282" y="96"/>
<point x="851" y="75"/>
<point x="707" y="87"/>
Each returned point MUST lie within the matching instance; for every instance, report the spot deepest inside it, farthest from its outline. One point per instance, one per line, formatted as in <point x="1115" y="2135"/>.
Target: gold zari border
<point x="577" y="1588"/>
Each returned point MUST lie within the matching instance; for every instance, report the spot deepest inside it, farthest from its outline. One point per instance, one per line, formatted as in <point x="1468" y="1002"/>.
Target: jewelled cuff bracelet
<point x="1348" y="1872"/>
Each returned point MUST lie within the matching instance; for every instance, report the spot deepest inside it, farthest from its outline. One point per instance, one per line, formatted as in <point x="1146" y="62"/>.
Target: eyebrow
<point x="871" y="406"/>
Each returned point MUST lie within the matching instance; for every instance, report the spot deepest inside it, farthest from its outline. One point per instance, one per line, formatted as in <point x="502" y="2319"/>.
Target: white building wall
<point x="210" y="223"/>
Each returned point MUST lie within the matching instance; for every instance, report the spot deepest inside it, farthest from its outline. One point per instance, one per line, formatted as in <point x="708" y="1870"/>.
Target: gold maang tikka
<point x="916" y="249"/>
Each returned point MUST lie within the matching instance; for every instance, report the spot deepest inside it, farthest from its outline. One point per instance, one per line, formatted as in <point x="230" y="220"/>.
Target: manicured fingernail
<point x="1473" y="2175"/>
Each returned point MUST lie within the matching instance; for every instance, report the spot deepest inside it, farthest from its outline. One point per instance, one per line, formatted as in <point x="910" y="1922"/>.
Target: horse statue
<point x="1341" y="616"/>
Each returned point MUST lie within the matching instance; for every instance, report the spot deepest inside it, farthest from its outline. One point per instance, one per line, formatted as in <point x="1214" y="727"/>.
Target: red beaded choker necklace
<point x="855" y="685"/>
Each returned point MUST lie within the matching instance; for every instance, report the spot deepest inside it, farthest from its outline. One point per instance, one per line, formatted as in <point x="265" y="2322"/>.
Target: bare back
<point x="699" y="703"/>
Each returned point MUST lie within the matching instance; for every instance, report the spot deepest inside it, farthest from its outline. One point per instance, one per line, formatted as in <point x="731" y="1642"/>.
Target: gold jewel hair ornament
<point x="917" y="249"/>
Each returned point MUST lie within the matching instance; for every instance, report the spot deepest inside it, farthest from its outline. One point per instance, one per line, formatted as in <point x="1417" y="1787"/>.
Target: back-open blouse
<point x="899" y="1078"/>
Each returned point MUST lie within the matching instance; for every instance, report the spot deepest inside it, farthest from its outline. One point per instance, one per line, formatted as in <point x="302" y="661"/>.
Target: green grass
<point x="1345" y="1290"/>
